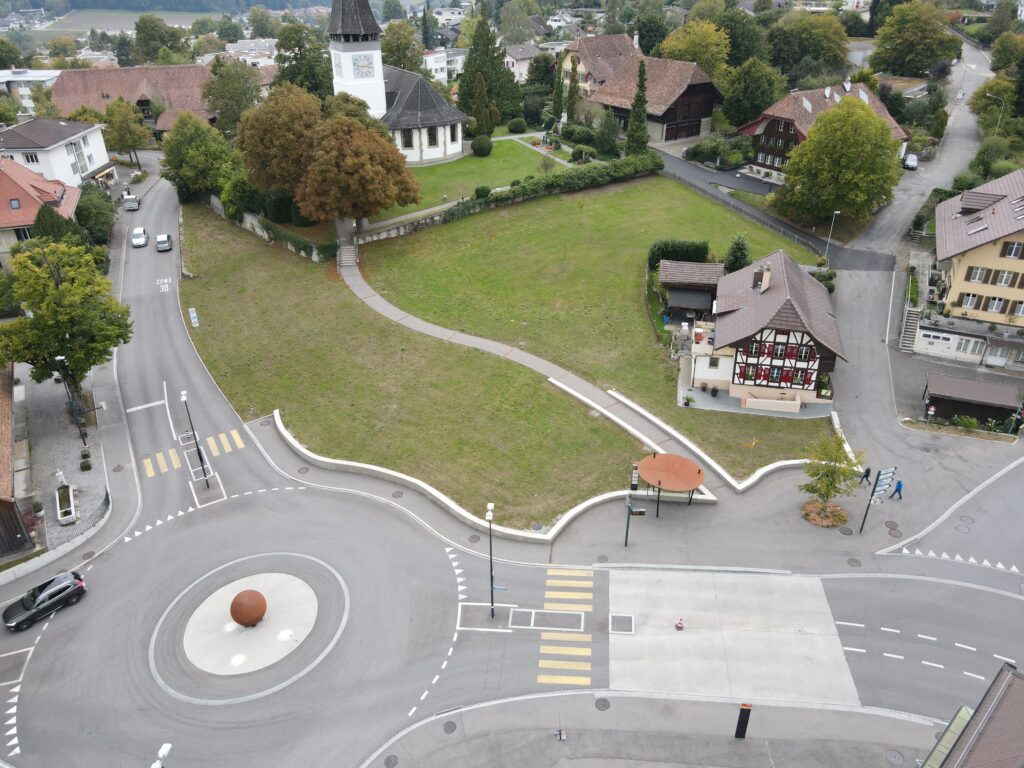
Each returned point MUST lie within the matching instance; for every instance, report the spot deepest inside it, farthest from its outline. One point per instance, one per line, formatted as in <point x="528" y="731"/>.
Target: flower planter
<point x="67" y="513"/>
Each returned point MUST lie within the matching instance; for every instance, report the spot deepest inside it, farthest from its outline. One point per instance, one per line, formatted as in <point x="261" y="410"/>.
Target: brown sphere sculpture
<point x="248" y="608"/>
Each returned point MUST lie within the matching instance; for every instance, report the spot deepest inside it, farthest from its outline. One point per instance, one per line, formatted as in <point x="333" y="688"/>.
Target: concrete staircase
<point x="348" y="256"/>
<point x="910" y="323"/>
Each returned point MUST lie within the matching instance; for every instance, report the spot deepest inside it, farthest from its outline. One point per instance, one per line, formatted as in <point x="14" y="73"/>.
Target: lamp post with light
<point x="1002" y="106"/>
<point x="195" y="437"/>
<point x="828" y="242"/>
<point x="489" y="517"/>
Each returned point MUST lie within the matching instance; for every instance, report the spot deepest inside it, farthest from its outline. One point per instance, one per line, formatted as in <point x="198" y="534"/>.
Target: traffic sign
<point x="193" y="317"/>
<point x="637" y="511"/>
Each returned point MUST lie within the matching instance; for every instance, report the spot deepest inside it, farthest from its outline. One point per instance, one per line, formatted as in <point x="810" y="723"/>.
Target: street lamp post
<point x="195" y="437"/>
<point x="828" y="242"/>
<point x="62" y="363"/>
<point x="1002" y="106"/>
<point x="490" y="548"/>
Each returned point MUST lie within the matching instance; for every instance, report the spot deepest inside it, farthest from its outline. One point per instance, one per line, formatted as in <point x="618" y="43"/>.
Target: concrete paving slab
<point x="748" y="636"/>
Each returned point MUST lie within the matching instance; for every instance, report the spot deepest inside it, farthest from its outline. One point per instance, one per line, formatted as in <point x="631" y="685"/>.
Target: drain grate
<point x="853" y="561"/>
<point x="967" y="519"/>
<point x="891" y="524"/>
<point x="474" y="539"/>
<point x="894" y="757"/>
<point x="303" y="470"/>
<point x="119" y="468"/>
<point x="620" y="623"/>
<point x="265" y="423"/>
<point x="896" y="533"/>
<point x="602" y="704"/>
<point x="449" y="727"/>
<point x="963" y="528"/>
<point x="88" y="556"/>
<point x="397" y="494"/>
<point x="846" y="531"/>
<point x="390" y="761"/>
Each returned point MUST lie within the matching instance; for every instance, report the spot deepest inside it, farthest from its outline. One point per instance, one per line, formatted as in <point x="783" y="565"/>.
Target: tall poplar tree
<point x="636" y="129"/>
<point x="573" y="97"/>
<point x="558" y="92"/>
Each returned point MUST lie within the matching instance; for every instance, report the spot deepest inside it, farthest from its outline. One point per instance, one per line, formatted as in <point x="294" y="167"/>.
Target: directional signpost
<point x="631" y="511"/>
<point x="882" y="482"/>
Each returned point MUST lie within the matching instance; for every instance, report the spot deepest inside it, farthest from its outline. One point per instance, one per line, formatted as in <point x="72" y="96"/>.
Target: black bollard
<point x="741" y="722"/>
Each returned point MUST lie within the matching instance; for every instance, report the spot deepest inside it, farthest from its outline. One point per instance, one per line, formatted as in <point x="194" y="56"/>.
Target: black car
<point x="63" y="589"/>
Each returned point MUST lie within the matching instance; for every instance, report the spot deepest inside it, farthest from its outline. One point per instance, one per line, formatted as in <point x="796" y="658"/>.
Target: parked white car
<point x="910" y="162"/>
<point x="140" y="237"/>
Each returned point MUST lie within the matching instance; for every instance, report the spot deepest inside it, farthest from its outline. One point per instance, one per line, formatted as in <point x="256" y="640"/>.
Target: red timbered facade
<point x="781" y="359"/>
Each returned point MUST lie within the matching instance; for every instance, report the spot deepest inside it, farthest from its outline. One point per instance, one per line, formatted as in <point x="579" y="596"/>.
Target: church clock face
<point x="362" y="65"/>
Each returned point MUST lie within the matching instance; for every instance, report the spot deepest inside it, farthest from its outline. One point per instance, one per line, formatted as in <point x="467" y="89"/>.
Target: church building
<point x="424" y="126"/>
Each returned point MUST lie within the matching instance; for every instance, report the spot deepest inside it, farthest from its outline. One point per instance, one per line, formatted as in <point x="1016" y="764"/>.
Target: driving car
<point x="163" y="242"/>
<point x="131" y="202"/>
<point x="910" y="162"/>
<point x="63" y="589"/>
<point x="140" y="237"/>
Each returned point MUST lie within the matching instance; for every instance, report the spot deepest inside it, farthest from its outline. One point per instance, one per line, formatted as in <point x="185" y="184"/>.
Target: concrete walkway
<point x="652" y="435"/>
<point x="597" y="729"/>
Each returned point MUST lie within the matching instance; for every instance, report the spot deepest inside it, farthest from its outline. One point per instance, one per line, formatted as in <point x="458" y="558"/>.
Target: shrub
<point x="460" y="210"/>
<point x="517" y="125"/>
<point x="677" y="250"/>
<point x="579" y="134"/>
<point x="966" y="180"/>
<point x="481" y="146"/>
<point x="1001" y="168"/>
<point x="277" y="206"/>
<point x="533" y="109"/>
<point x="582" y="177"/>
<point x="964" y="422"/>
<point x="939" y="120"/>
<point x="298" y="219"/>
<point x="481" y="192"/>
<point x="583" y="152"/>
<point x="515" y="183"/>
<point x="96" y="213"/>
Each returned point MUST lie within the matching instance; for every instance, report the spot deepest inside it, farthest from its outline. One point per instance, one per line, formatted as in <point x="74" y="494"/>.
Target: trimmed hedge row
<point x="301" y="244"/>
<point x="677" y="250"/>
<point x="582" y="177"/>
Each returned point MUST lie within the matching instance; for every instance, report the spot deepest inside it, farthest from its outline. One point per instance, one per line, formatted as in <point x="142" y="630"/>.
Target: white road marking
<point x="928" y="637"/>
<point x="455" y="637"/>
<point x="892" y="656"/>
<point x="434" y="681"/>
<point x="976" y="677"/>
<point x="855" y="650"/>
<point x="1003" y="658"/>
<point x="45" y="626"/>
<point x="424" y="695"/>
<point x="888" y="629"/>
<point x="849" y="624"/>
<point x="444" y="664"/>
<point x="450" y="651"/>
<point x="135" y="408"/>
<point x="411" y="712"/>
<point x="965" y="647"/>
<point x="932" y="664"/>
<point x="88" y="568"/>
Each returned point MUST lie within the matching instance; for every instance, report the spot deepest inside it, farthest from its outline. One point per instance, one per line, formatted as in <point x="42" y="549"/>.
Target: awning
<point x="688" y="298"/>
<point x="100" y="171"/>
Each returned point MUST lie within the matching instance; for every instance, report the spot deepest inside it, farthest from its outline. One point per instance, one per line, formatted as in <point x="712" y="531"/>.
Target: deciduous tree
<point x="123" y="49"/>
<point x="153" y="33"/>
<point x="847" y="163"/>
<point x="706" y="10"/>
<point x="831" y="471"/>
<point x="72" y="315"/>
<point x="229" y="30"/>
<point x="393" y="10"/>
<point x="124" y="131"/>
<point x="197" y="158"/>
<point x="798" y="35"/>
<point x="234" y="89"/>
<point x="302" y="60"/>
<point x="542" y="70"/>
<point x="353" y="173"/>
<point x="63" y="46"/>
<point x="96" y="213"/>
<point x="401" y="47"/>
<point x="1007" y="48"/>
<point x="204" y="25"/>
<point x="515" y="24"/>
<point x="913" y="40"/>
<point x="42" y="99"/>
<point x="8" y="110"/>
<point x="701" y="42"/>
<point x="261" y="23"/>
<point x="10" y="54"/>
<point x="636" y="129"/>
<point x="746" y="38"/>
<point x="1000" y="22"/>
<point x="651" y="29"/>
<point x="207" y="44"/>
<point x="275" y="137"/>
<point x="346" y="105"/>
<point x="750" y="88"/>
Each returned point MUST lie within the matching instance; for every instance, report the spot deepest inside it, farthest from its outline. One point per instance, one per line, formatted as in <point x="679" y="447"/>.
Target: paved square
<point x="747" y="636"/>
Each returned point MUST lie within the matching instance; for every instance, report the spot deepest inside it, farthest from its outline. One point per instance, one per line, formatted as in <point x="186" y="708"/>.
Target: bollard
<point x="679" y="625"/>
<point x="741" y="722"/>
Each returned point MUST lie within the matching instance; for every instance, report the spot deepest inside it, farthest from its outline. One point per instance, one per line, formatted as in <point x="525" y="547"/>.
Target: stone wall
<point x="251" y="222"/>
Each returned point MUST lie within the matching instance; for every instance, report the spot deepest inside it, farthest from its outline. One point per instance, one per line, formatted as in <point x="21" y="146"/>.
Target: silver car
<point x="910" y="162"/>
<point x="163" y="242"/>
<point x="140" y="237"/>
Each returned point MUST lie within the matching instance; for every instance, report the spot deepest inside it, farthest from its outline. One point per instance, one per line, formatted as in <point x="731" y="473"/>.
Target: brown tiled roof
<point x="7" y="431"/>
<point x="666" y="81"/>
<point x="689" y="273"/>
<point x="993" y="737"/>
<point x="960" y="225"/>
<point x="803" y="107"/>
<point x="32" y="191"/>
<point x="179" y="87"/>
<point x="602" y="55"/>
<point x="972" y="390"/>
<point x="793" y="301"/>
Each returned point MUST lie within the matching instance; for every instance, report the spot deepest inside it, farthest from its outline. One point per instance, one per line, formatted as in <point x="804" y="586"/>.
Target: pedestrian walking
<point x="866" y="477"/>
<point x="898" y="491"/>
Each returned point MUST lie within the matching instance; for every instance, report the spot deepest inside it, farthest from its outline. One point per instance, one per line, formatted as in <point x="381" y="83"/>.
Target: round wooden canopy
<point x="670" y="472"/>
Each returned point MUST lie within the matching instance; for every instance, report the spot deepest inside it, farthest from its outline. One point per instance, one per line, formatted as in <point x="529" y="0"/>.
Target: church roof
<point x="352" y="17"/>
<point x="412" y="103"/>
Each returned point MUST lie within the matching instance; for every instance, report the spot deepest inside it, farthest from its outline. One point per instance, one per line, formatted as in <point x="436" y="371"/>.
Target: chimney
<point x="766" y="277"/>
<point x="758" y="277"/>
<point x="636" y="40"/>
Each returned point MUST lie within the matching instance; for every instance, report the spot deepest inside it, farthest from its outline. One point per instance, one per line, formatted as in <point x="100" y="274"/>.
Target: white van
<point x="131" y="203"/>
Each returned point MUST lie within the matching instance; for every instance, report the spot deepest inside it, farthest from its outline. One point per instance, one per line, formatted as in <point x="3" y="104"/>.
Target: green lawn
<point x="353" y="385"/>
<point x="509" y="160"/>
<point x="563" y="277"/>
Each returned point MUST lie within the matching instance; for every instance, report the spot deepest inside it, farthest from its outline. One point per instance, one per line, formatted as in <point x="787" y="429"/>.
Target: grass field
<point x="79" y="22"/>
<point x="459" y="178"/>
<point x="844" y="231"/>
<point x="563" y="277"/>
<point x="280" y="332"/>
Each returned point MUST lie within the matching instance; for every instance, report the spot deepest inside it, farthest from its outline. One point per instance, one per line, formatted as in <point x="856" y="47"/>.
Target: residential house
<point x="680" y="96"/>
<point x="518" y="58"/>
<point x="163" y="92"/>
<point x="258" y="51"/>
<point x="19" y="84"/>
<point x="690" y="289"/>
<point x="785" y="124"/>
<point x="539" y="26"/>
<point x="23" y="193"/>
<point x="448" y="16"/>
<point x="773" y="342"/>
<point x="979" y="245"/>
<point x="13" y="535"/>
<point x="98" y="59"/>
<point x="456" y="61"/>
<point x="59" y="149"/>
<point x="436" y="63"/>
<point x="597" y="59"/>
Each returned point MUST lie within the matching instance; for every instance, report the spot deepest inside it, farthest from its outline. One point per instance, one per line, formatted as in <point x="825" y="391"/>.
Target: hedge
<point x="581" y="177"/>
<point x="579" y="134"/>
<point x="677" y="250"/>
<point x="301" y="244"/>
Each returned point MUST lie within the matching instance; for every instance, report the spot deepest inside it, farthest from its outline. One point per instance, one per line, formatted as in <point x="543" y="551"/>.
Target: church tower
<point x="355" y="53"/>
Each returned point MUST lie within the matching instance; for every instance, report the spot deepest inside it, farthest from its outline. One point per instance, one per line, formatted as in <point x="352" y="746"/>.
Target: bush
<point x="515" y="183"/>
<point x="579" y="134"/>
<point x="826" y="278"/>
<point x="677" y="250"/>
<point x="966" y="180"/>
<point x="277" y="206"/>
<point x="1001" y="168"/>
<point x="297" y="218"/>
<point x="517" y="125"/>
<point x="992" y="149"/>
<point x="481" y="192"/>
<point x="938" y="126"/>
<point x="481" y="146"/>
<point x="533" y="110"/>
<point x="583" y="152"/>
<point x="727" y="151"/>
<point x="460" y="210"/>
<point x="96" y="213"/>
<point x="7" y="300"/>
<point x="964" y="422"/>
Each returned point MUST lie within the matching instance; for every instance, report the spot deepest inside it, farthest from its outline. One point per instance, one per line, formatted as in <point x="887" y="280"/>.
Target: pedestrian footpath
<point x="565" y="656"/>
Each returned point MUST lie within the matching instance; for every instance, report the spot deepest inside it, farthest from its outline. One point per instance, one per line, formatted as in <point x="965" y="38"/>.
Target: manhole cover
<point x="896" y="533"/>
<point x="302" y="471"/>
<point x="846" y="531"/>
<point x="602" y="558"/>
<point x="621" y="623"/>
<point x="891" y="524"/>
<point x="894" y="757"/>
<point x="265" y="423"/>
<point x="88" y="556"/>
<point x="397" y="494"/>
<point x="964" y="528"/>
<point x="390" y="761"/>
<point x="854" y="562"/>
<point x="119" y="468"/>
<point x="602" y="704"/>
<point x="474" y="539"/>
<point x="967" y="519"/>
<point x="538" y="527"/>
<point x="449" y="726"/>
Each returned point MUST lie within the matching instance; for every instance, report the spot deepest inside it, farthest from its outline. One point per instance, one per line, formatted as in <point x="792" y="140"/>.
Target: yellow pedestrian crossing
<point x="163" y="462"/>
<point x="566" y="589"/>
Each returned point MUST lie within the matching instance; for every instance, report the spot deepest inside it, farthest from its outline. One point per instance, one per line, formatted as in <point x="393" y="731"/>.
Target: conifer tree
<point x="636" y="130"/>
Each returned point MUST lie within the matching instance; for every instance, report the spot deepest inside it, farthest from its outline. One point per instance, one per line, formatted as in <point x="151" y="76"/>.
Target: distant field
<point x="78" y="23"/>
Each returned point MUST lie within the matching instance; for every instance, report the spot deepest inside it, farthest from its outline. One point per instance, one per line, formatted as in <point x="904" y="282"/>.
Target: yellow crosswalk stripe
<point x="148" y="464"/>
<point x="224" y="443"/>
<point x="571" y="637"/>
<point x="569" y="595"/>
<point x="563" y="650"/>
<point x="583" y="666"/>
<point x="237" y="438"/>
<point x="212" y="445"/>
<point x="568" y="583"/>
<point x="175" y="461"/>
<point x="562" y="680"/>
<point x="568" y="572"/>
<point x="160" y="462"/>
<point x="582" y="607"/>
